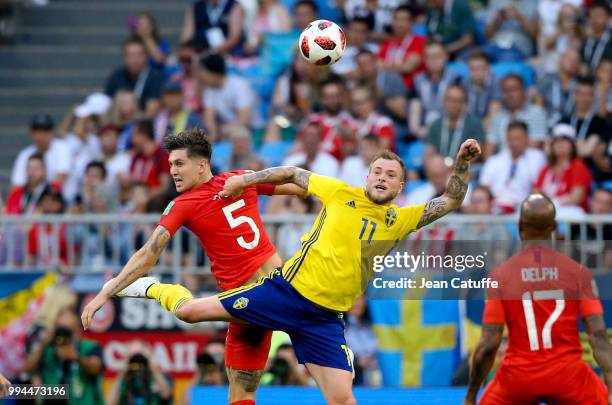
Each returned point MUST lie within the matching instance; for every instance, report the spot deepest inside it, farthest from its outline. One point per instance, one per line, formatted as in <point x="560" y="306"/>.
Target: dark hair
<point x="486" y="189"/>
<point x="332" y="80"/>
<point x="515" y="77"/>
<point x="191" y="44"/>
<point x="435" y="42"/>
<point x="518" y="125"/>
<point x="552" y="159"/>
<point x="308" y="3"/>
<point x="155" y="28"/>
<point x="586" y="80"/>
<point x="478" y="53"/>
<point x="458" y="87"/>
<point x="37" y="156"/>
<point x="145" y="126"/>
<point x="194" y="140"/>
<point x="214" y="63"/>
<point x="406" y="8"/>
<point x="54" y="196"/>
<point x="371" y="138"/>
<point x="369" y="22"/>
<point x="365" y="51"/>
<point x="132" y="41"/>
<point x="601" y="4"/>
<point x="96" y="164"/>
<point x="388" y="155"/>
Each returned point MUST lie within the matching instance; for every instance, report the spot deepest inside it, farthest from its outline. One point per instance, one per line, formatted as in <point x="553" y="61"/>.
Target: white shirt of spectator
<point x="82" y="153"/>
<point x="119" y="164"/>
<point x="57" y="161"/>
<point x="235" y="95"/>
<point x="348" y="63"/>
<point x="548" y="13"/>
<point x="532" y="115"/>
<point x="354" y="171"/>
<point x="508" y="192"/>
<point x="324" y="164"/>
<point x="383" y="15"/>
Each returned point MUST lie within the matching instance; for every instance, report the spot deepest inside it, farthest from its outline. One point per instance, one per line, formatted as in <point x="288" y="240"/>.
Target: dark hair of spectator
<point x="585" y="81"/>
<point x="514" y="76"/>
<point x="364" y="51"/>
<point x="153" y="22"/>
<point x="369" y="22"/>
<point x="307" y="3"/>
<point x="518" y="125"/>
<point x="189" y="44"/>
<point x="371" y="138"/>
<point x="388" y="155"/>
<point x="603" y="190"/>
<point x="479" y="54"/>
<point x="194" y="140"/>
<point x="333" y="80"/>
<point x="109" y="128"/>
<point x="603" y="5"/>
<point x="96" y="164"/>
<point x="486" y="189"/>
<point x="552" y="159"/>
<point x="133" y="41"/>
<point x="55" y="196"/>
<point x="205" y="359"/>
<point x="435" y="42"/>
<point x="37" y="156"/>
<point x="404" y="8"/>
<point x="214" y="63"/>
<point x="457" y="87"/>
<point x="146" y="127"/>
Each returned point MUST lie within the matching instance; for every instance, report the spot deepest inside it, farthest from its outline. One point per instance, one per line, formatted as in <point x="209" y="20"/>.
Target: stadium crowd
<point x="530" y="80"/>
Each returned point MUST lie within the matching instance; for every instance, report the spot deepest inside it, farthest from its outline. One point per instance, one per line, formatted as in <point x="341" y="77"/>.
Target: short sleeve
<point x="493" y="312"/>
<point x="410" y="217"/>
<point x="175" y="215"/>
<point x="323" y="187"/>
<point x="265" y="189"/>
<point x="590" y="307"/>
<point x="580" y="175"/>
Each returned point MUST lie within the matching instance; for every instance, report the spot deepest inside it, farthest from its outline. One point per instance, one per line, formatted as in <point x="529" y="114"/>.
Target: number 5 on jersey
<point x="239" y="220"/>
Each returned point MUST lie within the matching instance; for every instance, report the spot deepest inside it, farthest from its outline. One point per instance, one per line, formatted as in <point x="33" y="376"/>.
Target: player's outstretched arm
<point x="235" y="185"/>
<point x="602" y="350"/>
<point x="138" y="265"/>
<point x="455" y="188"/>
<point x="482" y="360"/>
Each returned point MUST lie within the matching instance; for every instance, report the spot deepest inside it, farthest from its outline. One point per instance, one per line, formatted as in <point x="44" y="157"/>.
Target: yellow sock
<point x="170" y="296"/>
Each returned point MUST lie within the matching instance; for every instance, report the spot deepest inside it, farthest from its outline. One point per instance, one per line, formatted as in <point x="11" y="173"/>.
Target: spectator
<point x="332" y="118"/>
<point x="208" y="373"/>
<point x="357" y="38"/>
<point x="95" y="195"/>
<point x="285" y="369"/>
<point x="604" y="88"/>
<point x="511" y="29"/>
<point x="44" y="248"/>
<point x="592" y="131"/>
<point x="288" y="238"/>
<point x="216" y="26"/>
<point x="55" y="151"/>
<point x="124" y="114"/>
<point x="481" y="203"/>
<point x="242" y="147"/>
<point x="516" y="107"/>
<point x="429" y="89"/>
<point x="150" y="162"/>
<point x="227" y="98"/>
<point x="141" y="381"/>
<point x="548" y="14"/>
<point x="403" y="53"/>
<point x="173" y="117"/>
<point x="379" y="13"/>
<point x="365" y="120"/>
<point x="314" y="157"/>
<point x="117" y="163"/>
<point x="66" y="358"/>
<point x="362" y="341"/>
<point x="355" y="169"/>
<point x="483" y="92"/>
<point x="187" y="77"/>
<point x="144" y="28"/>
<point x="436" y="174"/>
<point x="555" y="90"/>
<point x="568" y="35"/>
<point x="451" y="22"/>
<point x="391" y="94"/>
<point x="598" y="45"/>
<point x="565" y="179"/>
<point x="511" y="173"/>
<point x="600" y="204"/>
<point x="272" y="17"/>
<point x="138" y="77"/>
<point x="305" y="12"/>
<point x="446" y="134"/>
<point x="25" y="199"/>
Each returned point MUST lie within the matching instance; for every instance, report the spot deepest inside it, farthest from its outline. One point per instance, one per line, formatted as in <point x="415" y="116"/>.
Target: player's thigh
<point x="247" y="347"/>
<point x="204" y="309"/>
<point x="336" y="384"/>
<point x="500" y="392"/>
<point x="581" y="386"/>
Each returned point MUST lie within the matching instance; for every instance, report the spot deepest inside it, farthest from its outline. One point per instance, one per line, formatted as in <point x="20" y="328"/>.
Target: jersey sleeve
<point x="324" y="187"/>
<point x="493" y="312"/>
<point x="410" y="217"/>
<point x="262" y="189"/>
<point x="588" y="296"/>
<point x="175" y="215"/>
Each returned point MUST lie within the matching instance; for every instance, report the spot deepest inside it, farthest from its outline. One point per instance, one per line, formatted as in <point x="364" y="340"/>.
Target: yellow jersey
<point x="327" y="268"/>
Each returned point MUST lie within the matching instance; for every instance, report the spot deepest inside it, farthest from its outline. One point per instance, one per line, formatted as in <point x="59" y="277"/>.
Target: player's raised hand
<point x="470" y="149"/>
<point x="91" y="308"/>
<point x="4" y="386"/>
<point x="234" y="186"/>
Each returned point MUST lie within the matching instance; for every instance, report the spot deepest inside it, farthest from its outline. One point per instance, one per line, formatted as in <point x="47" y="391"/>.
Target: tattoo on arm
<point x="247" y="379"/>
<point x="160" y="240"/>
<point x="280" y="175"/>
<point x="484" y="355"/>
<point x="456" y="188"/>
<point x="435" y="209"/>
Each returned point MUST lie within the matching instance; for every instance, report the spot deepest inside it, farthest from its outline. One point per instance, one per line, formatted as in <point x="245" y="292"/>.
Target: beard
<point x="380" y="200"/>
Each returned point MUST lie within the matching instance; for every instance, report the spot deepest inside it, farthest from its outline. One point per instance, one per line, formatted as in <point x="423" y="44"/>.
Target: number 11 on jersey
<point x="363" y="230"/>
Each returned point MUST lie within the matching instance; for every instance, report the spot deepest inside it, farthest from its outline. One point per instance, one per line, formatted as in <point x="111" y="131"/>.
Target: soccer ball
<point x="322" y="42"/>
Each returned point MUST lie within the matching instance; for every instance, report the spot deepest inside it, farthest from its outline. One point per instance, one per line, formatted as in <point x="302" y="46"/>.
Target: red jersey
<point x="541" y="296"/>
<point x="557" y="185"/>
<point x="376" y="124"/>
<point x="394" y="51"/>
<point x="148" y="168"/>
<point x="332" y="139"/>
<point x="229" y="229"/>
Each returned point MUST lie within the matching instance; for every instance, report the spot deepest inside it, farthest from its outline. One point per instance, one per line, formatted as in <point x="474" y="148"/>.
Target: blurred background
<point x="89" y="88"/>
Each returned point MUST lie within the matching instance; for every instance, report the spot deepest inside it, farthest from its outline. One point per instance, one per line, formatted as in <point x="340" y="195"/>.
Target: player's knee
<point x="188" y="313"/>
<point x="343" y="399"/>
<point x="247" y="380"/>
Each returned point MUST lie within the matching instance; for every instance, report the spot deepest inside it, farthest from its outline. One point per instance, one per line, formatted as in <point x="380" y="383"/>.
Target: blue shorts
<point x="272" y="303"/>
